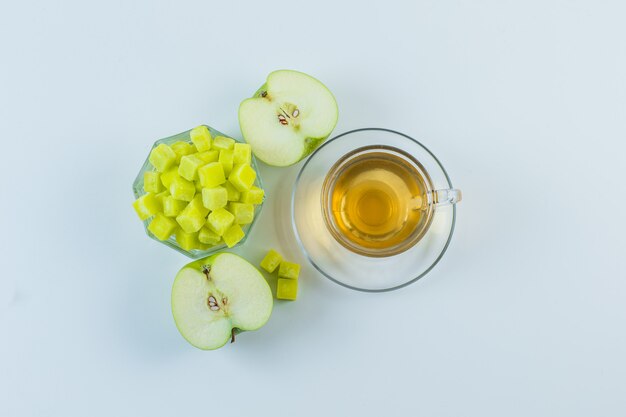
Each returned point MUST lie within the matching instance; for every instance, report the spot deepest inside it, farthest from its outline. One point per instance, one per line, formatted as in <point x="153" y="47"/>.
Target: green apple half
<point x="216" y="297"/>
<point x="288" y="117"/>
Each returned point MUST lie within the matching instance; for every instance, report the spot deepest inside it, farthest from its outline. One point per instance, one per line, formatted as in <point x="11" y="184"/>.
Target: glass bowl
<point x="344" y="266"/>
<point x="138" y="191"/>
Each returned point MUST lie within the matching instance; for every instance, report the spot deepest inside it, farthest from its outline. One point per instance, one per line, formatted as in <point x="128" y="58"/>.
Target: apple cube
<point x="193" y="216"/>
<point x="182" y="148"/>
<point x="172" y="207"/>
<point x="220" y="220"/>
<point x="208" y="156"/>
<point x="168" y="176"/>
<point x="181" y="189"/>
<point x="162" y="227"/>
<point x="188" y="168"/>
<point x="233" y="235"/>
<point x="211" y="175"/>
<point x="201" y="137"/>
<point x="187" y="241"/>
<point x="286" y="289"/>
<point x="242" y="154"/>
<point x="214" y="198"/>
<point x="244" y="213"/>
<point x="288" y="270"/>
<point x="223" y="143"/>
<point x="254" y="195"/>
<point x="226" y="159"/>
<point x="208" y="236"/>
<point x="162" y="157"/>
<point x="242" y="177"/>
<point x="146" y="206"/>
<point x="271" y="261"/>
<point x="152" y="182"/>
<point x="233" y="193"/>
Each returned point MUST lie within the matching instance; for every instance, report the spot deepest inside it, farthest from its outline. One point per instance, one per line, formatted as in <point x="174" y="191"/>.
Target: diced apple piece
<point x="211" y="175"/>
<point x="233" y="193"/>
<point x="208" y="156"/>
<point x="146" y="206"/>
<point x="181" y="189"/>
<point x="162" y="227"/>
<point x="226" y="159"/>
<point x="242" y="177"/>
<point x="220" y="220"/>
<point x="244" y="213"/>
<point x="254" y="195"/>
<point x="168" y="176"/>
<point x="222" y="142"/>
<point x="271" y="261"/>
<point x="242" y="153"/>
<point x="152" y="182"/>
<point x="214" y="198"/>
<point x="188" y="168"/>
<point x="187" y="241"/>
<point x="172" y="207"/>
<point x="288" y="270"/>
<point x="182" y="148"/>
<point x="286" y="289"/>
<point x="162" y="157"/>
<point x="208" y="236"/>
<point x="193" y="216"/>
<point x="233" y="235"/>
<point x="201" y="137"/>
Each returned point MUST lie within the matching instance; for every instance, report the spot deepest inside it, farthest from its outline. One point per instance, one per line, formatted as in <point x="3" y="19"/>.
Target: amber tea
<point x="374" y="200"/>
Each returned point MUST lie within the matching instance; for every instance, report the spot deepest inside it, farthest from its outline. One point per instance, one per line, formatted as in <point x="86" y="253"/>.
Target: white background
<point x="524" y="102"/>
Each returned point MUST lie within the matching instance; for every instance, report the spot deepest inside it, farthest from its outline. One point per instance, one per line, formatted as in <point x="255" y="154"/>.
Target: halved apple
<point x="288" y="117"/>
<point x="215" y="298"/>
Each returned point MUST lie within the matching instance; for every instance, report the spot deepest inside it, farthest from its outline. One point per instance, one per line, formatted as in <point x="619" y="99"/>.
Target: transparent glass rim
<point x="307" y="254"/>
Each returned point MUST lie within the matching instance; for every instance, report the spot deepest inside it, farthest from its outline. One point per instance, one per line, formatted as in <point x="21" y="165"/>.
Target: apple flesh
<point x="216" y="297"/>
<point x="288" y="117"/>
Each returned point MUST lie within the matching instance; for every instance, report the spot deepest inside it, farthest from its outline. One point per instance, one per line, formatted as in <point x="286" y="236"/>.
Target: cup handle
<point x="446" y="197"/>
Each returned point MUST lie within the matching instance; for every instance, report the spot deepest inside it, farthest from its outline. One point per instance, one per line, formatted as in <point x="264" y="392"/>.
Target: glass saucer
<point x="336" y="262"/>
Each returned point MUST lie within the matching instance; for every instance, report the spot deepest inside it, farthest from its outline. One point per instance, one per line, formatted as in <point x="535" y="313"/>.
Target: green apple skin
<point x="310" y="143"/>
<point x="231" y="325"/>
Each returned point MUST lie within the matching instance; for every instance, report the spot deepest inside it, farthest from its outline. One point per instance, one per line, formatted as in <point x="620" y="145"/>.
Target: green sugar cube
<point x="168" y="176"/>
<point x="152" y="182"/>
<point x="201" y="137"/>
<point x="233" y="193"/>
<point x="162" y="227"/>
<point x="172" y="207"/>
<point x="244" y="213"/>
<point x="242" y="177"/>
<point x="208" y="156"/>
<point x="181" y="149"/>
<point x="233" y="235"/>
<point x="187" y="241"/>
<point x="208" y="236"/>
<point x="214" y="198"/>
<point x="242" y="154"/>
<point x="226" y="159"/>
<point x="188" y="168"/>
<point x="286" y="289"/>
<point x="271" y="261"/>
<point x="211" y="175"/>
<point x="146" y="206"/>
<point x="254" y="195"/>
<point x="181" y="189"/>
<point x="288" y="270"/>
<point x="220" y="220"/>
<point x="222" y="142"/>
<point x="162" y="157"/>
<point x="193" y="216"/>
